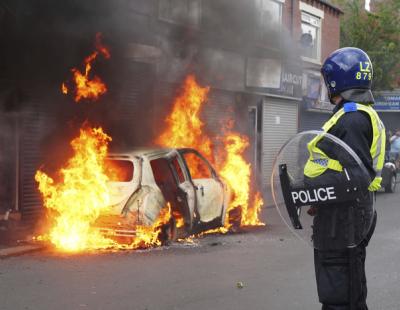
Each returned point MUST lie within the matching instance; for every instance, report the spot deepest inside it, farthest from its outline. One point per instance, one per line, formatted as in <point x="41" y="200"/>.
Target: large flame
<point x="184" y="128"/>
<point x="87" y="87"/>
<point x="81" y="194"/>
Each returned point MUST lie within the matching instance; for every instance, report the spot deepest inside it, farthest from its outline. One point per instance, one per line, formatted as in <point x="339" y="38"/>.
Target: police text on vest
<point x="315" y="195"/>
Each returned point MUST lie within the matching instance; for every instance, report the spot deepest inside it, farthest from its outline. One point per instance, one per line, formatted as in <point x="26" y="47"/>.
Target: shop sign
<point x="387" y="101"/>
<point x="292" y="81"/>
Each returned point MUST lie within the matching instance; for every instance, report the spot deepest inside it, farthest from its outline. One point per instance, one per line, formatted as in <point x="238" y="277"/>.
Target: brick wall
<point x="330" y="36"/>
<point x="330" y="33"/>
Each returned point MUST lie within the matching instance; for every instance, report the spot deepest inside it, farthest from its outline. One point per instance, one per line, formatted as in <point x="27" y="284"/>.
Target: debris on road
<point x="240" y="285"/>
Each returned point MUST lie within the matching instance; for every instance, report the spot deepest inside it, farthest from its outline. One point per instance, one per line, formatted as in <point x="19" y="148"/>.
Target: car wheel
<point x="391" y="187"/>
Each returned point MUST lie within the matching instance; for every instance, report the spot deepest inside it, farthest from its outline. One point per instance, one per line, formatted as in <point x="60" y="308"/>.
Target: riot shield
<point x="332" y="209"/>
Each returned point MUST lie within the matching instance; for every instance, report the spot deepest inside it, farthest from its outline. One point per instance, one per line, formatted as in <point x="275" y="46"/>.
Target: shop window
<point x="313" y="87"/>
<point x="310" y="40"/>
<point x="186" y="12"/>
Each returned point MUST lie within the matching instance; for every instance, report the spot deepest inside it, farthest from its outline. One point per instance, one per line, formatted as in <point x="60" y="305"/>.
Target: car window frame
<point x="184" y="151"/>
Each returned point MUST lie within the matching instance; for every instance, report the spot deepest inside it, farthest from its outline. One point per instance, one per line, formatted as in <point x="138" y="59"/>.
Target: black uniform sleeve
<point x="355" y="129"/>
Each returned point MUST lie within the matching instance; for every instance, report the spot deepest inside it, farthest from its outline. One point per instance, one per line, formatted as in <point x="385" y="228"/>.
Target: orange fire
<point x="85" y="86"/>
<point x="64" y="89"/>
<point x="184" y="128"/>
<point x="81" y="195"/>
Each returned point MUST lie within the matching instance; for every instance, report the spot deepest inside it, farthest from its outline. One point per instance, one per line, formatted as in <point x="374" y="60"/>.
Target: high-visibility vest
<point x="319" y="162"/>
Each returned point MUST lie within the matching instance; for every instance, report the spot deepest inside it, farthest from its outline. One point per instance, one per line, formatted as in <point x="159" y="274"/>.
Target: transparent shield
<point x="323" y="201"/>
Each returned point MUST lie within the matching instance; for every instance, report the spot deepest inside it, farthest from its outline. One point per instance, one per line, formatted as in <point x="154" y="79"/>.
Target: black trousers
<point x="340" y="275"/>
<point x="341" y="279"/>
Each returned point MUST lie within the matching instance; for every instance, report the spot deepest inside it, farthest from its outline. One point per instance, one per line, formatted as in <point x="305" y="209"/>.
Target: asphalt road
<point x="276" y="271"/>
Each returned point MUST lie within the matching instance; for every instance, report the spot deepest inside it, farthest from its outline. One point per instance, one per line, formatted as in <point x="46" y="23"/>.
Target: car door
<point x="209" y="190"/>
<point x="186" y="196"/>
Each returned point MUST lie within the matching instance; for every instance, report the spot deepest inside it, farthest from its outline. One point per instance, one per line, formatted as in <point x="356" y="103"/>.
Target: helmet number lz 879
<point x="365" y="71"/>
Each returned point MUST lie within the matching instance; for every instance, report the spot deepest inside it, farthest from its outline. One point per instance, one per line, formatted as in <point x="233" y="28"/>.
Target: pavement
<point x="266" y="268"/>
<point x="16" y="250"/>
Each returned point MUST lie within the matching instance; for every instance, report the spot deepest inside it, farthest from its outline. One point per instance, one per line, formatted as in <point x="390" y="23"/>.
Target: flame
<point x="81" y="195"/>
<point x="150" y="236"/>
<point x="85" y="86"/>
<point x="236" y="171"/>
<point x="64" y="89"/>
<point x="253" y="214"/>
<point x="184" y="128"/>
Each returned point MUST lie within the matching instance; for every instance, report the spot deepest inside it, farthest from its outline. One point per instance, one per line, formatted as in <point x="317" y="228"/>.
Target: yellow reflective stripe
<point x="313" y="170"/>
<point x="335" y="165"/>
<point x="376" y="145"/>
<point x="333" y="120"/>
<point x="315" y="152"/>
<point x="381" y="155"/>
<point x="379" y="137"/>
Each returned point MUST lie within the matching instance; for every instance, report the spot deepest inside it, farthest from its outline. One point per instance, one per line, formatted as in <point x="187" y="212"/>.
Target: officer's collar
<point x="338" y="106"/>
<point x="362" y="96"/>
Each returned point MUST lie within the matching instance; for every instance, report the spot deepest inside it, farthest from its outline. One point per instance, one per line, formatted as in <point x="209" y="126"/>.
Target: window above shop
<point x="184" y="12"/>
<point x="310" y="39"/>
<point x="314" y="92"/>
<point x="270" y="18"/>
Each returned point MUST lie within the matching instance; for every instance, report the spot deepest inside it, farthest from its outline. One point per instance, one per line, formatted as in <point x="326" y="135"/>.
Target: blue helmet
<point x="345" y="69"/>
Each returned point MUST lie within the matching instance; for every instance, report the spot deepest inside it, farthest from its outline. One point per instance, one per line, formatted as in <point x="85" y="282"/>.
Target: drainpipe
<point x="17" y="163"/>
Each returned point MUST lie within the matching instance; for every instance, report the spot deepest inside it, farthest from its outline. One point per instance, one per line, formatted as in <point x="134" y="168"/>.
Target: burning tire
<point x="168" y="232"/>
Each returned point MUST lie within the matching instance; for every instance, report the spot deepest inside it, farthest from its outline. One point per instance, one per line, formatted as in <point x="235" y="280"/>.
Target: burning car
<point x="143" y="182"/>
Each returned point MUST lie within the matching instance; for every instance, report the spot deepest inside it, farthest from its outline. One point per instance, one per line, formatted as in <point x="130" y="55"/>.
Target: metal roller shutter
<point x="312" y="120"/>
<point x="279" y="124"/>
<point x="33" y="126"/>
<point x="218" y="110"/>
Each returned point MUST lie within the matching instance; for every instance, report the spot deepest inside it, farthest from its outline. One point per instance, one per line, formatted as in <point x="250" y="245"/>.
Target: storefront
<point x="315" y="108"/>
<point x="281" y="84"/>
<point x="388" y="106"/>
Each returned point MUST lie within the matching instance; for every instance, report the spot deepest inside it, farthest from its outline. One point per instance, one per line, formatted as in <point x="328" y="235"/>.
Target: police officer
<point x="339" y="261"/>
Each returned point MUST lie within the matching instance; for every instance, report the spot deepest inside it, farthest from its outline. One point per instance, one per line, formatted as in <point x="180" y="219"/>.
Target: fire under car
<point x="151" y="179"/>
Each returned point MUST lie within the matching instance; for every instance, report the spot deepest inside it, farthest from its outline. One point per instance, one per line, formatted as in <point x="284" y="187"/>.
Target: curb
<point x="19" y="250"/>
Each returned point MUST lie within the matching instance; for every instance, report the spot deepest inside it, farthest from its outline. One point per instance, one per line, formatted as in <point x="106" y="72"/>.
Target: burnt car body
<point x="154" y="177"/>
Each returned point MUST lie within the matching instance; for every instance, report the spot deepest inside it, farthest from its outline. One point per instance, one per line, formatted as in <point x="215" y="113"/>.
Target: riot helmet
<point x="348" y="72"/>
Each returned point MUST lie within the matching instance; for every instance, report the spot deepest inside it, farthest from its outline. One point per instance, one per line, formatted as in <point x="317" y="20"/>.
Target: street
<point x="275" y="268"/>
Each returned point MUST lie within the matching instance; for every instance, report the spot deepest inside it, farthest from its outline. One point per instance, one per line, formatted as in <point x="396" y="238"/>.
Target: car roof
<point x="147" y="152"/>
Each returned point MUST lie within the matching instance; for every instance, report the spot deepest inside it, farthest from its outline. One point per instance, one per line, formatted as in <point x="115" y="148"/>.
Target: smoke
<point x="151" y="54"/>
